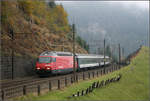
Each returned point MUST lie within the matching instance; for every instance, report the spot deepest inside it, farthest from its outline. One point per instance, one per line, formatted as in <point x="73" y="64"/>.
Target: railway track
<point x="35" y="79"/>
<point x="8" y="83"/>
<point x="21" y="87"/>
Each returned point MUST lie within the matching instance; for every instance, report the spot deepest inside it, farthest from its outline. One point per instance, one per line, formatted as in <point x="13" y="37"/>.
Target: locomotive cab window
<point x="54" y="59"/>
<point x="45" y="60"/>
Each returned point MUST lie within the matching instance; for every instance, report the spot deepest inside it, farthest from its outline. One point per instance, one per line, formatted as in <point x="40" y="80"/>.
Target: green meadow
<point x="134" y="84"/>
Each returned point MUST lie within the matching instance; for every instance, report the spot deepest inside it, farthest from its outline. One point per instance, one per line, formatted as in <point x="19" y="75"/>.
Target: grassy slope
<point x="134" y="84"/>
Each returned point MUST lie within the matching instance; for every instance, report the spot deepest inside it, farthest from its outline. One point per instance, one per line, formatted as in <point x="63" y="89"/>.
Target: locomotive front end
<point x="44" y="65"/>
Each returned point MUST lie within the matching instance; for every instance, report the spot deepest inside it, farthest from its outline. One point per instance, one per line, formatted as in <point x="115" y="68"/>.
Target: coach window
<point x="87" y="60"/>
<point x="84" y="61"/>
<point x="81" y="61"/>
<point x="54" y="59"/>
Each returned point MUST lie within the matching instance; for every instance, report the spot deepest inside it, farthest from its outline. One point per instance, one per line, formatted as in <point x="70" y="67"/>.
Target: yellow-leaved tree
<point x="27" y="6"/>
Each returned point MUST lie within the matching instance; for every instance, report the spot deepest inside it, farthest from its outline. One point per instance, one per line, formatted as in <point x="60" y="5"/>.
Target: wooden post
<point x="89" y="74"/>
<point x="93" y="85"/>
<point x="77" y="78"/>
<point x="102" y="83"/>
<point x="97" y="73"/>
<point x="78" y="93"/>
<point x="24" y="90"/>
<point x="50" y="86"/>
<point x="101" y="72"/>
<point x="65" y="81"/>
<point x="58" y="84"/>
<point x="71" y="80"/>
<point x="82" y="93"/>
<point x="93" y="74"/>
<point x="83" y="76"/>
<point x="91" y="89"/>
<point x="114" y="67"/>
<point x="39" y="90"/>
<point x="87" y="90"/>
<point x="3" y="95"/>
<point x="97" y="85"/>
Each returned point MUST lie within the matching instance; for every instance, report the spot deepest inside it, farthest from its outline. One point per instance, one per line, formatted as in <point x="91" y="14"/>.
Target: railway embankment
<point x="133" y="85"/>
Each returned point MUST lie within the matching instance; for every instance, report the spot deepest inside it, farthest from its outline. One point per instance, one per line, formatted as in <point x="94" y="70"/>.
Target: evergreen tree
<point x="82" y="43"/>
<point x="52" y="4"/>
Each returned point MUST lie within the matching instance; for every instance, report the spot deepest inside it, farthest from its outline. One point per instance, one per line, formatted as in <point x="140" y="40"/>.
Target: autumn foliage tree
<point x="44" y="21"/>
<point x="27" y="6"/>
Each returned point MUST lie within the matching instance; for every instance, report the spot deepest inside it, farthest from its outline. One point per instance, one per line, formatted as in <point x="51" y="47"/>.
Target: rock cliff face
<point x="28" y="28"/>
<point x="36" y="26"/>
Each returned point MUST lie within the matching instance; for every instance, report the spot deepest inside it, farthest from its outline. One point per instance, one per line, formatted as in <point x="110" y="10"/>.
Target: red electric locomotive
<point x="54" y="63"/>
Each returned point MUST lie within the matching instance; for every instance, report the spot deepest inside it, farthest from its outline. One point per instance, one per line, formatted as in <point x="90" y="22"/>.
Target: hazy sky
<point x="110" y="19"/>
<point x="144" y="5"/>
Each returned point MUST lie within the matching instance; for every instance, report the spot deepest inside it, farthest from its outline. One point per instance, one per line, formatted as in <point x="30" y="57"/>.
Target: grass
<point x="134" y="84"/>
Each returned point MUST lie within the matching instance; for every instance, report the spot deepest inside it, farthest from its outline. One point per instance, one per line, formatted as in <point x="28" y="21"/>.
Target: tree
<point x="26" y="6"/>
<point x="52" y="4"/>
<point x="82" y="43"/>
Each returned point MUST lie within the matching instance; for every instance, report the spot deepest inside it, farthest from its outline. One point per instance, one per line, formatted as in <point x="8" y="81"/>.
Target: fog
<point x="126" y="23"/>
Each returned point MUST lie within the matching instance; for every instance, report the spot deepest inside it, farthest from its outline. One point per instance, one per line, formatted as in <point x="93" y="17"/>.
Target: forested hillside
<point x="30" y="27"/>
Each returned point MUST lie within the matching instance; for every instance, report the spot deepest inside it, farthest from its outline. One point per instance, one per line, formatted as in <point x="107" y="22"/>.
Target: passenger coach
<point x="86" y="61"/>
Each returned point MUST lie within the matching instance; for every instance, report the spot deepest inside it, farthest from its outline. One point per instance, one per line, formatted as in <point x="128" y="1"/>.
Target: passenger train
<point x="62" y="62"/>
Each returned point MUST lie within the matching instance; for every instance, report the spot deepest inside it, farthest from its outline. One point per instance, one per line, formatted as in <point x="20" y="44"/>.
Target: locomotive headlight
<point x="48" y="68"/>
<point x="38" y="68"/>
